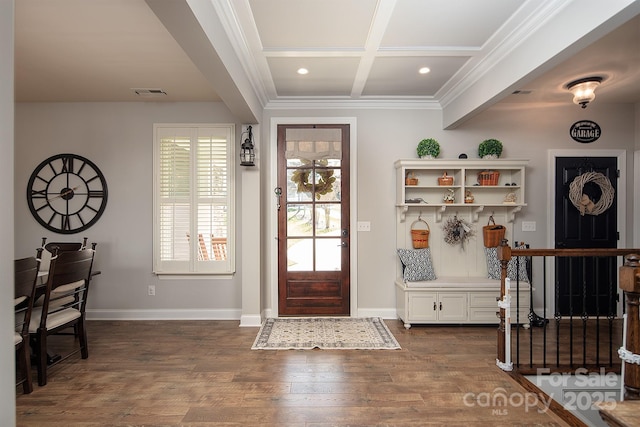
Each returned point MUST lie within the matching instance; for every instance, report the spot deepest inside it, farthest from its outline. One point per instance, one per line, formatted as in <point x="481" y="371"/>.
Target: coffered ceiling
<point x="360" y="53"/>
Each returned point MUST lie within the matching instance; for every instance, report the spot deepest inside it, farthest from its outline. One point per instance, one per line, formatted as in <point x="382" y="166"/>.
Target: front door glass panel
<point x="314" y="223"/>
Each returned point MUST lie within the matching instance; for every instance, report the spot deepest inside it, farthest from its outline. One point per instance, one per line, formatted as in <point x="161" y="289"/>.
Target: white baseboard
<point x="166" y="314"/>
<point x="250" y="320"/>
<point x="385" y="313"/>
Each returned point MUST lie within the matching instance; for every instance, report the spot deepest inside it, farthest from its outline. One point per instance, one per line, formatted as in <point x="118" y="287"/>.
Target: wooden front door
<point x="585" y="286"/>
<point x="313" y="220"/>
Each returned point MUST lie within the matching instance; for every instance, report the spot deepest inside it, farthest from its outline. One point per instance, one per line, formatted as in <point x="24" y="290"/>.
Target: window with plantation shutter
<point x="193" y="199"/>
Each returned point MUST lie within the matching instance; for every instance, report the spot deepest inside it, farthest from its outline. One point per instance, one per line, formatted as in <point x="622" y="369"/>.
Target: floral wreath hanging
<point x="582" y="201"/>
<point x="457" y="231"/>
<point x="324" y="184"/>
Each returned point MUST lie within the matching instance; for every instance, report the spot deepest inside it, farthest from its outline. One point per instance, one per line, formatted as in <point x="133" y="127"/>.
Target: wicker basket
<point x="445" y="180"/>
<point x="488" y="177"/>
<point x="410" y="179"/>
<point x="493" y="234"/>
<point x="420" y="237"/>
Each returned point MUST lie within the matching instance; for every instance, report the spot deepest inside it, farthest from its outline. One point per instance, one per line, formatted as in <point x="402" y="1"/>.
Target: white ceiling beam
<point x="199" y="29"/>
<point x="565" y="32"/>
<point x="379" y="24"/>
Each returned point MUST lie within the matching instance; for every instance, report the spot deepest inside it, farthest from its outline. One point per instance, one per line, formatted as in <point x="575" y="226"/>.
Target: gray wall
<point x="7" y="372"/>
<point x="118" y="138"/>
<point x="387" y="135"/>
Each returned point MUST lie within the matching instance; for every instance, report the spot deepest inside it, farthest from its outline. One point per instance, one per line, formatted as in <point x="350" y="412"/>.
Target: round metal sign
<point x="585" y="131"/>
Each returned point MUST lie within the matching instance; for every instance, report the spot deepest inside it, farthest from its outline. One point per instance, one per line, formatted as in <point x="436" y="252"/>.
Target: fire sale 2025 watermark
<point x="579" y="390"/>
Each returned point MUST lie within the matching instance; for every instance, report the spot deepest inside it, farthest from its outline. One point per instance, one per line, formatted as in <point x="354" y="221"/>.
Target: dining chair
<point x="62" y="246"/>
<point x="203" y="254"/>
<point x="48" y="250"/>
<point x="63" y="305"/>
<point x="25" y="280"/>
<point x="219" y="248"/>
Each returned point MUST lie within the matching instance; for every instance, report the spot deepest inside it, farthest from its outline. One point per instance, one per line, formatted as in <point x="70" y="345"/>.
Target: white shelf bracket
<point x="403" y="212"/>
<point x="511" y="217"/>
<point x="476" y="213"/>
<point x="439" y="213"/>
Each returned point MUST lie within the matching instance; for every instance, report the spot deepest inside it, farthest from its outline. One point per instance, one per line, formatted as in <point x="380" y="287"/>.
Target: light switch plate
<point x="364" y="226"/>
<point x="528" y="226"/>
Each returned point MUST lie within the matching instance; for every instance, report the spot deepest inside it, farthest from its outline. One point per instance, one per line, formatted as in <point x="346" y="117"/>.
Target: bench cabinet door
<point x="422" y="307"/>
<point x="452" y="307"/>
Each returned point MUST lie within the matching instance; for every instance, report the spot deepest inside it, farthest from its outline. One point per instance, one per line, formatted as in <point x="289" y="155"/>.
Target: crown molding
<point x="361" y="104"/>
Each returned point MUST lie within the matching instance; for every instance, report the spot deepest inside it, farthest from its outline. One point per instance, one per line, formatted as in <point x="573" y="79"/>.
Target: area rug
<point x="305" y="333"/>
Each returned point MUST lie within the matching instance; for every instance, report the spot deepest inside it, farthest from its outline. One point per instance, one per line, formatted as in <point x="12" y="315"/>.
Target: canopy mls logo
<point x="585" y="131"/>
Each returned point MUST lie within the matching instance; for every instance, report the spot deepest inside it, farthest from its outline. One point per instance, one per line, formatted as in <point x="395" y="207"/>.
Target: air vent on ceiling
<point x="521" y="92"/>
<point x="149" y="92"/>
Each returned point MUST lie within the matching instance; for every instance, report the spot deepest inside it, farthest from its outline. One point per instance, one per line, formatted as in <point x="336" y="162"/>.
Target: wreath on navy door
<point x="583" y="201"/>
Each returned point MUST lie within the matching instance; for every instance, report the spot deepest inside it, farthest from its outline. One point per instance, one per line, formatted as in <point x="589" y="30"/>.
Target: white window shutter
<point x="193" y="203"/>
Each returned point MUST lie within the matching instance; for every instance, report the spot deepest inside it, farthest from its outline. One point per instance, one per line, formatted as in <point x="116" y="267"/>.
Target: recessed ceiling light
<point x="303" y="71"/>
<point x="424" y="70"/>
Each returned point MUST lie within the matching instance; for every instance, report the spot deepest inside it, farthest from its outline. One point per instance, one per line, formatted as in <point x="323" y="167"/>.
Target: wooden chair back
<point x="203" y="253"/>
<point x="25" y="281"/>
<point x="64" y="304"/>
<point x="69" y="276"/>
<point x="219" y="247"/>
<point x="61" y="246"/>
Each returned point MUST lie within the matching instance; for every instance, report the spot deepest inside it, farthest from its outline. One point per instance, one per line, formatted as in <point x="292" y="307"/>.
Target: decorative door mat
<point x="305" y="333"/>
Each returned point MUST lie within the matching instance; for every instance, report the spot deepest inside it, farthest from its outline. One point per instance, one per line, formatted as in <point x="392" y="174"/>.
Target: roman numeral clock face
<point x="67" y="193"/>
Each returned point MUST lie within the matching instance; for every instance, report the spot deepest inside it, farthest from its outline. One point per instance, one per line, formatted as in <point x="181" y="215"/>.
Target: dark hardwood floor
<point x="204" y="373"/>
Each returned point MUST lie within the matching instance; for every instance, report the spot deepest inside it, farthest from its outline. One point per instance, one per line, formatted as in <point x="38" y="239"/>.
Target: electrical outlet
<point x="364" y="226"/>
<point x="528" y="226"/>
<point x="152" y="290"/>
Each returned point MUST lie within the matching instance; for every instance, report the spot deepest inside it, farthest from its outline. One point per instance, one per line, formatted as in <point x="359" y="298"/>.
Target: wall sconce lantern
<point x="247" y="155"/>
<point x="583" y="90"/>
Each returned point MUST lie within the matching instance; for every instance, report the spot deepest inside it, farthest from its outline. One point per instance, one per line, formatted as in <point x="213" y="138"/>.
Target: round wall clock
<point x="67" y="193"/>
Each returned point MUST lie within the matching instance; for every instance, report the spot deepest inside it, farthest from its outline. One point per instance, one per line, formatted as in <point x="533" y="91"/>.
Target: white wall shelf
<point x="462" y="293"/>
<point x="427" y="194"/>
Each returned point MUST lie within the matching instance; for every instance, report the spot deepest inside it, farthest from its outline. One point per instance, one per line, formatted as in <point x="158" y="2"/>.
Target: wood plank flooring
<point x="204" y="373"/>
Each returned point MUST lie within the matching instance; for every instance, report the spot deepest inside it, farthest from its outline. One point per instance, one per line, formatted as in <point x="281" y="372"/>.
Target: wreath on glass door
<point x="324" y="182"/>
<point x="583" y="202"/>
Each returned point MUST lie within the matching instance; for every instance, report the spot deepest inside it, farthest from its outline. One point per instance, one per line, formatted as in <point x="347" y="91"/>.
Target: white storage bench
<point x="468" y="300"/>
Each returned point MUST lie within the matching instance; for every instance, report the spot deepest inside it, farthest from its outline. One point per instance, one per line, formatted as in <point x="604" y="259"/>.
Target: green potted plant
<point x="490" y="149"/>
<point x="428" y="148"/>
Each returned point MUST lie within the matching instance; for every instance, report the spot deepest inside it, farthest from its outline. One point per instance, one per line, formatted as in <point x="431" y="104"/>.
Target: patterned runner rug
<point x="305" y="333"/>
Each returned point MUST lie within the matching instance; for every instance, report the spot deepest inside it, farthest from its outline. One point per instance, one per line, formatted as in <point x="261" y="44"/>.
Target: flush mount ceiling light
<point x="424" y="70"/>
<point x="583" y="90"/>
<point x="303" y="71"/>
